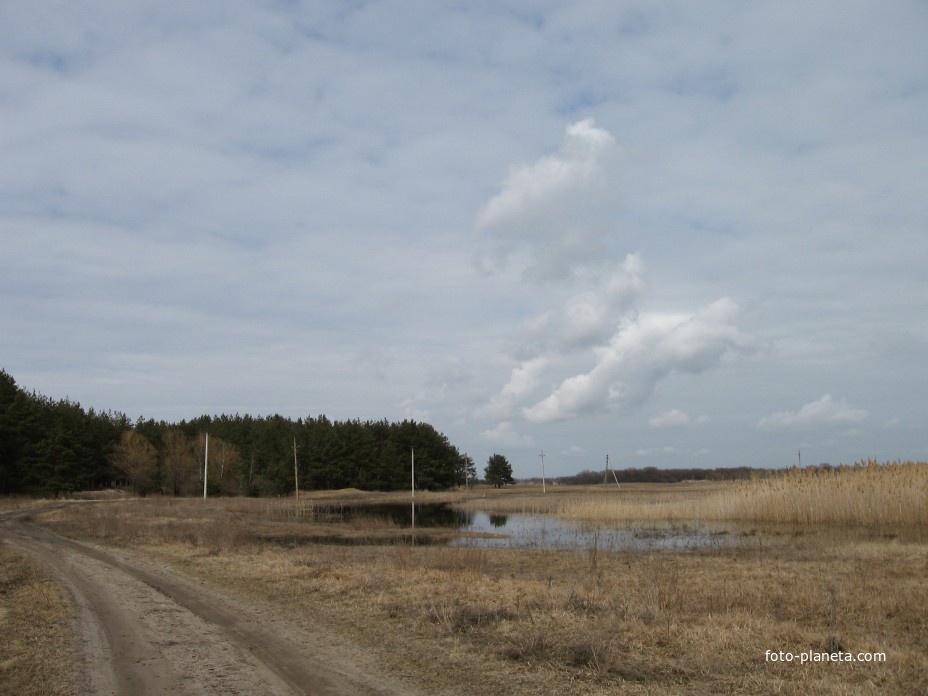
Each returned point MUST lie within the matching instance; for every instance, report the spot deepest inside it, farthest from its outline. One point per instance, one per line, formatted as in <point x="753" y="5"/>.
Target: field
<point x="813" y="563"/>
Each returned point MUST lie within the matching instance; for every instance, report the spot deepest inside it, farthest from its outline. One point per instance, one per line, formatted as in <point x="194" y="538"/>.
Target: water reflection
<point x="498" y="520"/>
<point x="532" y="531"/>
<point x="542" y="531"/>
<point x="400" y="514"/>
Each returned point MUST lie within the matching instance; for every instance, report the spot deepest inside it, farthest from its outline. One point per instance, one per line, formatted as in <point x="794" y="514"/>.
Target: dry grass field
<point x="37" y="650"/>
<point x="831" y="563"/>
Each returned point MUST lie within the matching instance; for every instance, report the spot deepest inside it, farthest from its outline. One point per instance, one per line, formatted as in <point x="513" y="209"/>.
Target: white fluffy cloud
<point x="588" y="318"/>
<point x="825" y="411"/>
<point x="522" y="381"/>
<point x="645" y="350"/>
<point x="551" y="219"/>
<point x="553" y="215"/>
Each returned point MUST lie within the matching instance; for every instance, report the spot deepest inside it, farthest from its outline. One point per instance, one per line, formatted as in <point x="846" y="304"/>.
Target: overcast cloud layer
<point x="681" y="234"/>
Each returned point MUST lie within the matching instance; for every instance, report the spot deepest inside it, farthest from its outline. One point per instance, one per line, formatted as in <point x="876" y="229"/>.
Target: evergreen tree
<point x="498" y="471"/>
<point x="465" y="470"/>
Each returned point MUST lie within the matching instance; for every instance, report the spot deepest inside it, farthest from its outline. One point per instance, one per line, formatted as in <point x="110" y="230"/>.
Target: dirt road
<point x="147" y="630"/>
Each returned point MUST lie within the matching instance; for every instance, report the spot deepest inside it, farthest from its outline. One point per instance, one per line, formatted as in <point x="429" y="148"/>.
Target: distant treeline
<point x="52" y="447"/>
<point x="652" y="474"/>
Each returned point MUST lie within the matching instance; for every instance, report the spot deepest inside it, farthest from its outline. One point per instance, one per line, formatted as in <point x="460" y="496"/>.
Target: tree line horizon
<point x="57" y="447"/>
<point x="49" y="446"/>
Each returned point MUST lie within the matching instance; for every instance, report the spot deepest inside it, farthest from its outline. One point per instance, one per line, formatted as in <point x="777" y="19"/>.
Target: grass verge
<point x="37" y="650"/>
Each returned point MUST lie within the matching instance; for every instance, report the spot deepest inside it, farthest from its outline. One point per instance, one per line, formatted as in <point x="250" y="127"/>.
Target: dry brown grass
<point x="15" y="502"/>
<point x="501" y="621"/>
<point x="227" y="524"/>
<point x="596" y="503"/>
<point x="37" y="647"/>
<point x="888" y="496"/>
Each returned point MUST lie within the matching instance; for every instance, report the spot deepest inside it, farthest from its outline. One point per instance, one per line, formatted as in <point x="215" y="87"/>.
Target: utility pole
<point x="606" y="472"/>
<point x="296" y="474"/>
<point x="542" y="455"/>
<point x="205" y="464"/>
<point x="412" y="477"/>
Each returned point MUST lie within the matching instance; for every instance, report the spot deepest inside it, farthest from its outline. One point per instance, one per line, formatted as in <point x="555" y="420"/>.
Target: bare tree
<point x="225" y="465"/>
<point x="178" y="463"/>
<point x="227" y="468"/>
<point x="137" y="459"/>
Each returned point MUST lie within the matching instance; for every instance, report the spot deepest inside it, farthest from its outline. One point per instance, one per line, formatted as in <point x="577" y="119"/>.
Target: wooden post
<point x="205" y="464"/>
<point x="542" y="455"/>
<point x="412" y="478"/>
<point x="296" y="474"/>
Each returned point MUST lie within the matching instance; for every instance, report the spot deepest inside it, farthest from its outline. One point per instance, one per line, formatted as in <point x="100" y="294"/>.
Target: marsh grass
<point x="881" y="495"/>
<point x="888" y="496"/>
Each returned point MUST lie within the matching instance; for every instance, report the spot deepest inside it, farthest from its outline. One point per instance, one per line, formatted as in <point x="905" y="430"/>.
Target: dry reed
<point x="889" y="495"/>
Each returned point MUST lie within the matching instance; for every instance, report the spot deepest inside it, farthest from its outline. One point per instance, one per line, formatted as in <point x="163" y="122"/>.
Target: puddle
<point x="542" y="531"/>
<point x="400" y="514"/>
<point x="531" y="531"/>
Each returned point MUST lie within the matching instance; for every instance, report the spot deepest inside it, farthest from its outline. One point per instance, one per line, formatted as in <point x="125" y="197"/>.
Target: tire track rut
<point x="148" y="630"/>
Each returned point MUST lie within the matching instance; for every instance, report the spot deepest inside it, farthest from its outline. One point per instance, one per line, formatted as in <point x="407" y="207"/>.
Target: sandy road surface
<point x="147" y="630"/>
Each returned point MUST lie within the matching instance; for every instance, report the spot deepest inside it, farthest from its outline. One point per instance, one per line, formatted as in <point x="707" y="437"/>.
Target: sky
<point x="678" y="234"/>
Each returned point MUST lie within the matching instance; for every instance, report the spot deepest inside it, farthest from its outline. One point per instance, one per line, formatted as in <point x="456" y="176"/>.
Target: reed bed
<point x="526" y="504"/>
<point x="867" y="494"/>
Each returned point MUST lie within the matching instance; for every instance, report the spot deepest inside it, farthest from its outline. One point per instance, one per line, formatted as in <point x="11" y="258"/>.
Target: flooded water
<point x="537" y="531"/>
<point x="400" y="514"/>
<point x="542" y="531"/>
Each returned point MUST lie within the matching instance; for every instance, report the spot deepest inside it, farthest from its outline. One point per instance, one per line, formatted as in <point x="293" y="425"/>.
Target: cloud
<point x="643" y="352"/>
<point x="554" y="214"/>
<point x="676" y="418"/>
<point x="522" y="381"/>
<point x="671" y="419"/>
<point x="825" y="411"/>
<point x="504" y="435"/>
<point x="584" y="321"/>
<point x="551" y="219"/>
<point x="589" y="318"/>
